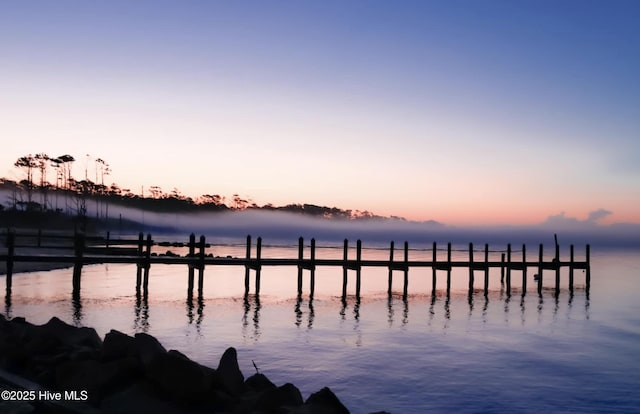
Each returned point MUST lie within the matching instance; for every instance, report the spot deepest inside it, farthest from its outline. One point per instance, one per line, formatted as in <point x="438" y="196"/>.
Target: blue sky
<point x="459" y="111"/>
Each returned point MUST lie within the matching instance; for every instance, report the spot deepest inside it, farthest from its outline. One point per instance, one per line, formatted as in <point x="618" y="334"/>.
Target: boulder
<point x="179" y="378"/>
<point x="148" y="348"/>
<point x="97" y="378"/>
<point x="118" y="345"/>
<point x="71" y="336"/>
<point x="258" y="383"/>
<point x="325" y="402"/>
<point x="139" y="398"/>
<point x="230" y="373"/>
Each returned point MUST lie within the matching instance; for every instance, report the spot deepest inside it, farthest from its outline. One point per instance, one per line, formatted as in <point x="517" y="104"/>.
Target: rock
<point x="287" y="395"/>
<point x="118" y="345"/>
<point x="148" y="348"/>
<point x="325" y="402"/>
<point x="230" y="372"/>
<point x="97" y="378"/>
<point x="136" y="399"/>
<point x="179" y="378"/>
<point x="258" y="383"/>
<point x="71" y="336"/>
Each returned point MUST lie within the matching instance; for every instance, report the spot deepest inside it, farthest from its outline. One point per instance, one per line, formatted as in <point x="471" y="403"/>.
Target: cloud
<point x="599" y="214"/>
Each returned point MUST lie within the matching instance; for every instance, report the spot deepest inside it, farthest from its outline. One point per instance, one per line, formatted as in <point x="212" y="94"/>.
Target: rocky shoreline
<point x="131" y="374"/>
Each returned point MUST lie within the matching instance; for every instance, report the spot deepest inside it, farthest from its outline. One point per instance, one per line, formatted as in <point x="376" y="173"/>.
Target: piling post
<point x="540" y="269"/>
<point x="247" y="266"/>
<point x="524" y="269"/>
<point x="471" y="269"/>
<point x="201" y="266"/>
<point x="434" y="268"/>
<point x="486" y="269"/>
<point x="345" y="256"/>
<point x="258" y="264"/>
<point x="571" y="268"/>
<point x="192" y="252"/>
<point x="588" y="269"/>
<point x="358" y="267"/>
<point x="77" y="268"/>
<point x="406" y="271"/>
<point x="11" y="242"/>
<point x="509" y="269"/>
<point x="390" y="283"/>
<point x="139" y="265"/>
<point x="107" y="241"/>
<point x="300" y="266"/>
<point x="502" y="268"/>
<point x="312" y="269"/>
<point x="147" y="264"/>
<point x="448" y="268"/>
<point x="556" y="263"/>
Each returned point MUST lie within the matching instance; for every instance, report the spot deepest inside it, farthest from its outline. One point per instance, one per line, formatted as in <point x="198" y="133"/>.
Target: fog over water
<point x="285" y="226"/>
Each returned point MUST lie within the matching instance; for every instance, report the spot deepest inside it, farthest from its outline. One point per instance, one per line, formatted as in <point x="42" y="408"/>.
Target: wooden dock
<point x="80" y="250"/>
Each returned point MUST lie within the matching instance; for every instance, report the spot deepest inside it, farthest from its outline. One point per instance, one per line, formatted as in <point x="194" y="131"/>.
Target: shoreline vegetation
<point x="37" y="192"/>
<point x="123" y="374"/>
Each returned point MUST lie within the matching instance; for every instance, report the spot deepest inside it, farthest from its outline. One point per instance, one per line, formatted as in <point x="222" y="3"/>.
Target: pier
<point x="78" y="250"/>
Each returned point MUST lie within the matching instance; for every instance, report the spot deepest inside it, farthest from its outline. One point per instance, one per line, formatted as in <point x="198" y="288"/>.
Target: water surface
<point x="572" y="352"/>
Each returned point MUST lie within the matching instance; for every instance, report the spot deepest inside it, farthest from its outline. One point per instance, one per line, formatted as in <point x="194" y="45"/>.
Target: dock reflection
<point x="141" y="312"/>
<point x="298" y="310"/>
<point x="440" y="308"/>
<point x="251" y="302"/>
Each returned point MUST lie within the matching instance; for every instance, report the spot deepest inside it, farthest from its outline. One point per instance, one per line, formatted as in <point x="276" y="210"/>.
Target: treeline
<point x="37" y="192"/>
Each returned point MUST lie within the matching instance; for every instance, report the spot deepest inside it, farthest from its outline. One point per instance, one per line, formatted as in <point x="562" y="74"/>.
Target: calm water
<point x="456" y="353"/>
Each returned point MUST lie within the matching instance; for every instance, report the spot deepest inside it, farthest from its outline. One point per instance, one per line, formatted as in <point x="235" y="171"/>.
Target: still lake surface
<point x="574" y="352"/>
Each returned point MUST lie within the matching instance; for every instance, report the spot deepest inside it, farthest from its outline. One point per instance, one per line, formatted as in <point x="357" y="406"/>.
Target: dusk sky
<point x="465" y="112"/>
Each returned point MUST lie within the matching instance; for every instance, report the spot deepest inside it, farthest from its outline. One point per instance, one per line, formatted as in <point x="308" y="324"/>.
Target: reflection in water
<point x="507" y="301"/>
<point x="7" y="305"/>
<point x="248" y="304"/>
<point x="391" y="312"/>
<point x="485" y="308"/>
<point x="447" y="308"/>
<point x="199" y="311"/>
<point x="77" y="309"/>
<point x="311" y="315"/>
<point x="141" y="310"/>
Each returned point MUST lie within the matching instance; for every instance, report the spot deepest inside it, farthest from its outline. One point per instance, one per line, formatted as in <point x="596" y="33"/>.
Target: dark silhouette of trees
<point x="76" y="193"/>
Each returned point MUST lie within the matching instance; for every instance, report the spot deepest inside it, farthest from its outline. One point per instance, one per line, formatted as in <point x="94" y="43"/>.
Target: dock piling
<point x="358" y="267"/>
<point x="258" y="265"/>
<point x="434" y="268"/>
<point x="540" y="269"/>
<point x="524" y="269"/>
<point x="191" y="254"/>
<point x="588" y="269"/>
<point x="345" y="257"/>
<point x="448" y="268"/>
<point x="11" y="241"/>
<point x="556" y="265"/>
<point x="79" y="242"/>
<point x="300" y="264"/>
<point x="312" y="269"/>
<point x="391" y="250"/>
<point x="486" y="269"/>
<point x="147" y="264"/>
<point x="139" y="263"/>
<point x="509" y="269"/>
<point x="201" y="256"/>
<point x="247" y="266"/>
<point x="405" y="289"/>
<point x="471" y="269"/>
<point x="571" y="268"/>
